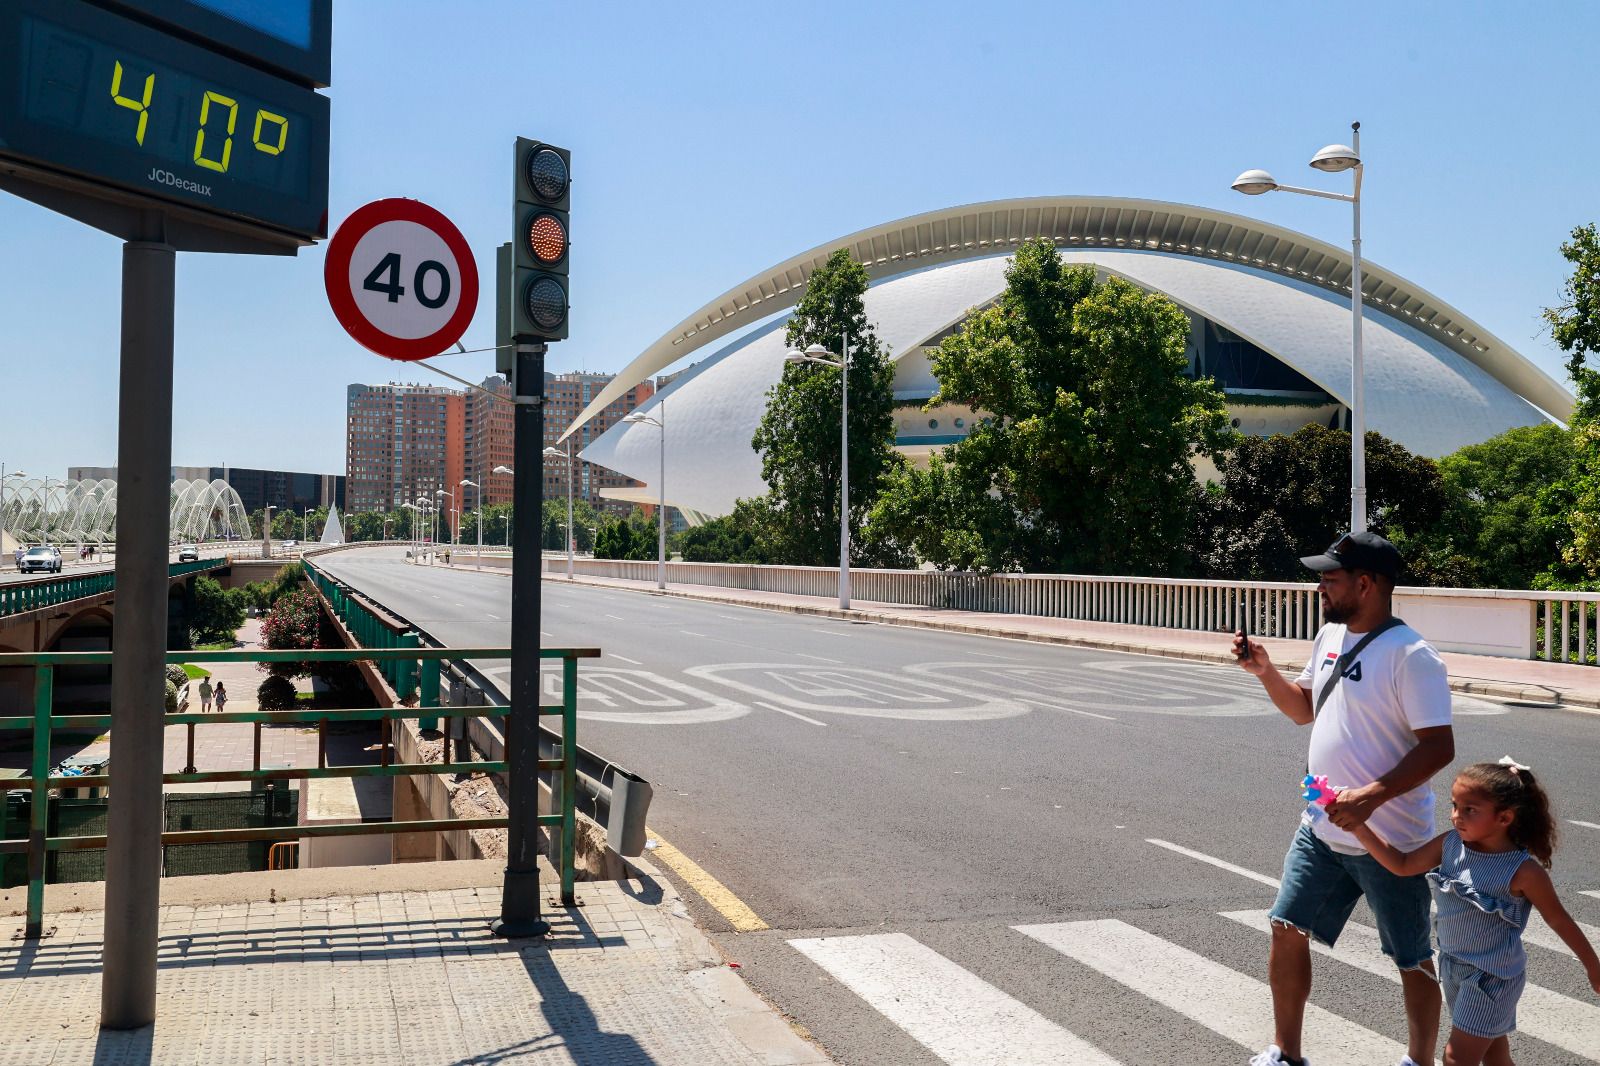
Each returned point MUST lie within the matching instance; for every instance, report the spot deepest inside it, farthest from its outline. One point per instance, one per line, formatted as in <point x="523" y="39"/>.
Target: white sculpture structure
<point x="51" y="511"/>
<point x="333" y="530"/>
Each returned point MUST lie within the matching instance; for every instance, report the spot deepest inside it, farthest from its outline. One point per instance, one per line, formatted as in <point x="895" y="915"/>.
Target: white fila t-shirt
<point x="1397" y="686"/>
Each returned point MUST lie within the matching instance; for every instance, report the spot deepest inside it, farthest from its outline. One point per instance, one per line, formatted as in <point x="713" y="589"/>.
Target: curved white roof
<point x="1102" y="223"/>
<point x="1421" y="391"/>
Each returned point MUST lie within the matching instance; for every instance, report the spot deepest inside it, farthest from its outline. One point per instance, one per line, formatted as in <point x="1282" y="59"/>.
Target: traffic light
<point x="539" y="242"/>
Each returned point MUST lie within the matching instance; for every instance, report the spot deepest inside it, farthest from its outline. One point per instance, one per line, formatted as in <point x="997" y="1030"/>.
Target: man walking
<point x="1378" y="702"/>
<point x="205" y="695"/>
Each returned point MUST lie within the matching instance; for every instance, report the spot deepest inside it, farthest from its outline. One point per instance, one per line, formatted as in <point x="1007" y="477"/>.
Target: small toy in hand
<point x="1318" y="791"/>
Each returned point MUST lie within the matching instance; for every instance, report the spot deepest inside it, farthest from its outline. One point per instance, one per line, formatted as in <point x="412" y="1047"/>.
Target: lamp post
<point x="386" y="523"/>
<point x="556" y="453"/>
<point x="415" y="511"/>
<point x="641" y="418"/>
<point x="305" y="525"/>
<point x="465" y="483"/>
<point x="453" y="536"/>
<point x="503" y="469"/>
<point x="816" y="353"/>
<point x="1335" y="159"/>
<point x="266" y="531"/>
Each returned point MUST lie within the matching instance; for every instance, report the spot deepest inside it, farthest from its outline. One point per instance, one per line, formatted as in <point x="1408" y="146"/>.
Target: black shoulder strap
<point x="1349" y="657"/>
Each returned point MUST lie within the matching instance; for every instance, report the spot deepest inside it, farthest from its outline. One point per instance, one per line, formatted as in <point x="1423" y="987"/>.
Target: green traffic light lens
<point x="547" y="303"/>
<point x="547" y="175"/>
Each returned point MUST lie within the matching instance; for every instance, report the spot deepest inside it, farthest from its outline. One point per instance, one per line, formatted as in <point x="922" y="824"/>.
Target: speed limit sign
<point x="401" y="279"/>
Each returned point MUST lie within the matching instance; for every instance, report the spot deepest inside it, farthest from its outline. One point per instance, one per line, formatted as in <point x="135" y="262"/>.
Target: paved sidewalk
<point x="391" y="965"/>
<point x="1527" y="680"/>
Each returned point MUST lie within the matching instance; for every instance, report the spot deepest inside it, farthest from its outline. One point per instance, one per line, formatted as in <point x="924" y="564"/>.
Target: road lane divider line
<point x="1586" y="825"/>
<point x="1070" y="710"/>
<point x="791" y="714"/>
<point x="1221" y="864"/>
<point x="1567" y="1023"/>
<point x="1234" y="1006"/>
<point x="714" y="892"/>
<point x="692" y="633"/>
<point x="616" y="617"/>
<point x="624" y="658"/>
<point x="820" y="658"/>
<point x="951" y="1011"/>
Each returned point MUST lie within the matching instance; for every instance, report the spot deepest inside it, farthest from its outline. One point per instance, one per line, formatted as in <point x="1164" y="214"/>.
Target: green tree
<point x="798" y="437"/>
<point x="740" y="537"/>
<point x="1575" y="325"/>
<point x="1081" y="461"/>
<point x="1288" y="495"/>
<point x="214" y="615"/>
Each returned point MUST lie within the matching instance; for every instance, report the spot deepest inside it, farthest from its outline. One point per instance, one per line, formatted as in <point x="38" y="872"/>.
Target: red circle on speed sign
<point x="401" y="279"/>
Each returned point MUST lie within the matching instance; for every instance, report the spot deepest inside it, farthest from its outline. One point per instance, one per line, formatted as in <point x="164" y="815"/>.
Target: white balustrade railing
<point x="1525" y="624"/>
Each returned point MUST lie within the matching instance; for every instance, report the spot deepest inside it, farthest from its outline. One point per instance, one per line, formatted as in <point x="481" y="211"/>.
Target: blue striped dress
<point x="1479" y="925"/>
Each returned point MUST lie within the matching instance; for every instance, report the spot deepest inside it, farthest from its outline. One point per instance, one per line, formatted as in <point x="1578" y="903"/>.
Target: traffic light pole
<point x="139" y="634"/>
<point x="519" y="897"/>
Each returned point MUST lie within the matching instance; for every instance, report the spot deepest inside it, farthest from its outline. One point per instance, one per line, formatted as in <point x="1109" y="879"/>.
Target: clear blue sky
<point x="712" y="140"/>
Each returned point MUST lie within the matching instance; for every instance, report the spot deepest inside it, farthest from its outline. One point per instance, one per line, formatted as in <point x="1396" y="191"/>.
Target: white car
<point x="188" y="553"/>
<point x="45" y="557"/>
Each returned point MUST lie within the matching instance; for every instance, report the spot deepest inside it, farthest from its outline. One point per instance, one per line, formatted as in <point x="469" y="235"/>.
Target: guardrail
<point x="1516" y="623"/>
<point x="43" y="721"/>
<point x="18" y="597"/>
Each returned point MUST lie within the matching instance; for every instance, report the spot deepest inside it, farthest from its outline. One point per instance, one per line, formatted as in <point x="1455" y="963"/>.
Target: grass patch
<point x="195" y="672"/>
<point x="306" y="697"/>
<point x="221" y="645"/>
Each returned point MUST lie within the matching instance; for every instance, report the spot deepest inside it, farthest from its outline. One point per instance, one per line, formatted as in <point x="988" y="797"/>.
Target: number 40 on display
<point x="271" y="130"/>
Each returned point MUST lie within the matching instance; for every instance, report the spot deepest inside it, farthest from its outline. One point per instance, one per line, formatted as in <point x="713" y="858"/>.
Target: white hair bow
<point x="1513" y="765"/>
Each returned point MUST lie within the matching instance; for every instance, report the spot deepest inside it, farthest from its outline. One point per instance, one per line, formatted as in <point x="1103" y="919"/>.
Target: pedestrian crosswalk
<point x="965" y="1020"/>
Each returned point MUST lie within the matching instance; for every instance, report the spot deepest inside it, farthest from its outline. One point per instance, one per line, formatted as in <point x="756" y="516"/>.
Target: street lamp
<point x="555" y="453"/>
<point x="456" y="535"/>
<point x="386" y="523"/>
<point x="479" y="523"/>
<point x="1335" y="159"/>
<point x="816" y="353"/>
<point x="266" y="531"/>
<point x="305" y="525"/>
<point x="639" y="417"/>
<point x="506" y="470"/>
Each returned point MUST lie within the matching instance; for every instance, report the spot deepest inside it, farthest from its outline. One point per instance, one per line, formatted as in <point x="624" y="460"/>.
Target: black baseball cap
<point x="1358" y="551"/>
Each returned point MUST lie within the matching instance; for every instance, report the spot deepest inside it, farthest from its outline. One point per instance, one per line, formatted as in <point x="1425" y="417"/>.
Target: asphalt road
<point x="951" y="838"/>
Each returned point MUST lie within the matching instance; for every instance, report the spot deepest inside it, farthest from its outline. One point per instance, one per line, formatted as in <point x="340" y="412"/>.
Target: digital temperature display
<point x="96" y="95"/>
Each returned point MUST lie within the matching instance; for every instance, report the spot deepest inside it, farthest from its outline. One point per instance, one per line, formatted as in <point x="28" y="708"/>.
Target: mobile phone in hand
<point x="1244" y="636"/>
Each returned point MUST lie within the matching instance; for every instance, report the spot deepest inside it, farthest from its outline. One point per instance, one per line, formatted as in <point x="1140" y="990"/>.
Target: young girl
<point x="1486" y="873"/>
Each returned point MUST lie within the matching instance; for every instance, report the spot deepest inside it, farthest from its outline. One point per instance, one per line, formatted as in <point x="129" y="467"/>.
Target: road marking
<point x="1549" y="1016"/>
<point x="1068" y="710"/>
<point x="460" y="605"/>
<point x="714" y="892"/>
<point x="1232" y="1005"/>
<point x="1271" y="882"/>
<point x="691" y="633"/>
<point x="615" y="617"/>
<point x="952" y="1012"/>
<point x="625" y="659"/>
<point x="494" y="616"/>
<point x="992" y="655"/>
<point x="791" y="714"/>
<point x="1539" y="933"/>
<point x="829" y="632"/>
<point x="1586" y="825"/>
<point x="820" y="658"/>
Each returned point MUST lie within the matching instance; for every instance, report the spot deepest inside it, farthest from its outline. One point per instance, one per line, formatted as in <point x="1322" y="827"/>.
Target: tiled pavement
<point x="410" y="977"/>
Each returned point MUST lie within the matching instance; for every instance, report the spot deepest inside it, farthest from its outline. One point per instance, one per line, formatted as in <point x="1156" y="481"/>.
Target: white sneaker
<point x="1272" y="1057"/>
<point x="1407" y="1060"/>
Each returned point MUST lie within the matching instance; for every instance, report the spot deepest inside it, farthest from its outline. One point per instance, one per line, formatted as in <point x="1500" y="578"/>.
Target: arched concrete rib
<point x="983" y="229"/>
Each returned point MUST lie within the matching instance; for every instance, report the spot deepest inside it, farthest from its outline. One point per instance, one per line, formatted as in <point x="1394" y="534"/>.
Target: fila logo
<point x="1354" y="673"/>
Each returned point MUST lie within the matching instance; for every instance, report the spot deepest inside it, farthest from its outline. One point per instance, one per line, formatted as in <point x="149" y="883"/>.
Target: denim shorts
<point x="1321" y="886"/>
<point x="1481" y="1004"/>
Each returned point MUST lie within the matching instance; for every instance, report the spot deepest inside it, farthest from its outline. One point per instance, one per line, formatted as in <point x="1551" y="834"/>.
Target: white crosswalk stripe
<point x="1541" y="935"/>
<point x="1568" y="1023"/>
<point x="1230" y="1004"/>
<point x="954" y="1013"/>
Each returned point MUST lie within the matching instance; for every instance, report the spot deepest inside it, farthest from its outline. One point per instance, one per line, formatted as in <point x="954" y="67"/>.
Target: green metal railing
<point x="370" y="629"/>
<point x="19" y="597"/>
<point x="43" y="721"/>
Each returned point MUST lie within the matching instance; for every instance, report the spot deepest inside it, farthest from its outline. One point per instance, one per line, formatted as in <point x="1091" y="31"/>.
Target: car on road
<point x="43" y="558"/>
<point x="188" y="553"/>
<point x="290" y="544"/>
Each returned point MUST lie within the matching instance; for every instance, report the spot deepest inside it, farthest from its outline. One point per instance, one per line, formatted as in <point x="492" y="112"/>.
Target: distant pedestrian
<point x="205" y="695"/>
<point x="16" y="556"/>
<point x="221" y="696"/>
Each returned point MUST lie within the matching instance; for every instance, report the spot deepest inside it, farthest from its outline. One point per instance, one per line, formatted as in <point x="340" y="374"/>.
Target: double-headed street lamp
<point x="556" y="453"/>
<point x="506" y="470"/>
<point x="816" y="353"/>
<point x="1335" y="159"/>
<point x="465" y="482"/>
<point x="640" y="418"/>
<point x="453" y="513"/>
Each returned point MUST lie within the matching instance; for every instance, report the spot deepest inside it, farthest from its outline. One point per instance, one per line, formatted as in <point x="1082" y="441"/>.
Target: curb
<point x="754" y="1022"/>
<point x="1540" y="695"/>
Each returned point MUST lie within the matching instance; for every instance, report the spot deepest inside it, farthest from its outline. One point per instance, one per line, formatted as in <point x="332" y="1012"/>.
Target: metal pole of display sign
<point x="519" y="897"/>
<point x="139" y="631"/>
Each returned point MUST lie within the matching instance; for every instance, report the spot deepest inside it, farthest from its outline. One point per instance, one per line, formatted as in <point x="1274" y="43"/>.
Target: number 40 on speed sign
<point x="401" y="279"/>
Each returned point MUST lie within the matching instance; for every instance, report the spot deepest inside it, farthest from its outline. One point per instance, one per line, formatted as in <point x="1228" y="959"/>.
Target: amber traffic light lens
<point x="547" y="303"/>
<point x="547" y="174"/>
<point x="547" y="238"/>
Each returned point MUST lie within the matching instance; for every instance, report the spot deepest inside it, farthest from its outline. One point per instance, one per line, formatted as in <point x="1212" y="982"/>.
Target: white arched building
<point x="1269" y="311"/>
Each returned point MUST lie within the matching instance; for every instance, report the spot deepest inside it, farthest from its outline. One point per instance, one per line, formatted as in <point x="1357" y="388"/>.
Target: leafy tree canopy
<point x="1575" y="325"/>
<point x="798" y="437"/>
<point x="1082" y="461"/>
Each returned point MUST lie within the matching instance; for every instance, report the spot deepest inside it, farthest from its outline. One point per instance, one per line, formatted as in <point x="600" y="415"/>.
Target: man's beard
<point x="1338" y="614"/>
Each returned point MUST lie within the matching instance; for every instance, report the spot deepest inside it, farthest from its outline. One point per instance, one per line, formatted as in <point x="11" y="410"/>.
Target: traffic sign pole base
<point x="519" y="906"/>
<point x="519" y="930"/>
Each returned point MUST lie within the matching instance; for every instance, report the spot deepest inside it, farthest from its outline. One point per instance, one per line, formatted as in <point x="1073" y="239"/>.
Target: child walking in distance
<point x="1487" y="874"/>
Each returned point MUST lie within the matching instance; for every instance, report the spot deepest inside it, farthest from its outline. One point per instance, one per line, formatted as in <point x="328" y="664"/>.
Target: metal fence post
<point x="39" y="798"/>
<point x="569" y="777"/>
<point x="429" y="691"/>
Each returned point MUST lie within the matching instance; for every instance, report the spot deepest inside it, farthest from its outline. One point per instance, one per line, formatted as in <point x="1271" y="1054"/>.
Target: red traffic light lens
<point x="547" y="238"/>
<point x="547" y="303"/>
<point x="547" y="175"/>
